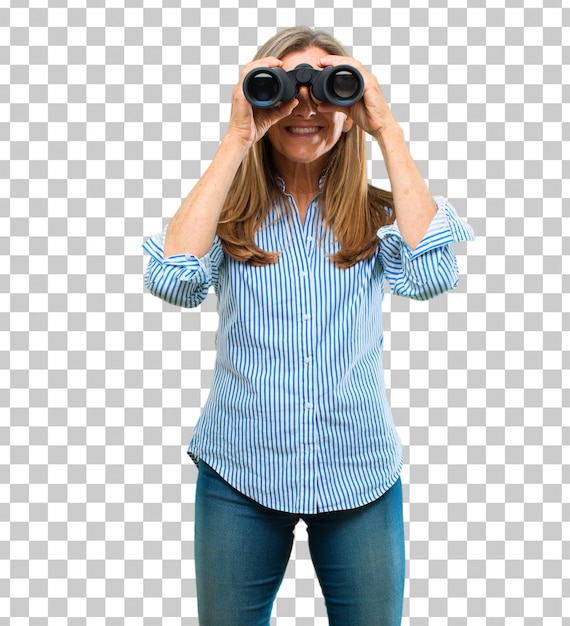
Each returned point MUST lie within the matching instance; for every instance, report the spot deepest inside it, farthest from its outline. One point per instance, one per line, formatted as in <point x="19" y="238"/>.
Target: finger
<point x="327" y="107"/>
<point x="264" y="62"/>
<point x="266" y="118"/>
<point x="333" y="59"/>
<point x="283" y="109"/>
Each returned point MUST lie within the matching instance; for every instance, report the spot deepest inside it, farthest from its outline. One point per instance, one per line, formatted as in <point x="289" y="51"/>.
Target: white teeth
<point x="303" y="131"/>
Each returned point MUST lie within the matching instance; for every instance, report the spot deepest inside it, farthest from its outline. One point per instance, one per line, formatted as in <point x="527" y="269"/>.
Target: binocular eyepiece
<point x="264" y="87"/>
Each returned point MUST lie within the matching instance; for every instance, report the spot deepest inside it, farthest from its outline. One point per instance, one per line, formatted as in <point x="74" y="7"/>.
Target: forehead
<point x="312" y="56"/>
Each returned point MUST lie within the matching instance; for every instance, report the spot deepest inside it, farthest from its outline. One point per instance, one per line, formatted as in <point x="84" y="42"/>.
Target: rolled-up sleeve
<point x="430" y="269"/>
<point x="182" y="279"/>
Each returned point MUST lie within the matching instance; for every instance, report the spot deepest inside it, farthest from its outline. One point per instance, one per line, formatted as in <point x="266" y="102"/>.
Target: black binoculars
<point x="264" y="87"/>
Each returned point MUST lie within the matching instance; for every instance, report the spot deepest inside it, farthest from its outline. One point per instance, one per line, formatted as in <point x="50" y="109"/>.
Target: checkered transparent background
<point x="109" y="112"/>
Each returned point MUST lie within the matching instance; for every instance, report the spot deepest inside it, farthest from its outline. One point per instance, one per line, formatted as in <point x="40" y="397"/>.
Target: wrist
<point x="236" y="141"/>
<point x="390" y="128"/>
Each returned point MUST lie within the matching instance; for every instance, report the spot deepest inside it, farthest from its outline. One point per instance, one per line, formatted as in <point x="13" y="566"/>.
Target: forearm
<point x="193" y="227"/>
<point x="413" y="203"/>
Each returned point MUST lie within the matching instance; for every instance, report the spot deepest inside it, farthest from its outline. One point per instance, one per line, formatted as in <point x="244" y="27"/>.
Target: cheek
<point x="336" y="126"/>
<point x="272" y="135"/>
<point x="337" y="123"/>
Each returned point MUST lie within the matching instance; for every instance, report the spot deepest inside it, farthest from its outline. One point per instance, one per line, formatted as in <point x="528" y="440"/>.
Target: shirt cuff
<point x="191" y="268"/>
<point x="445" y="228"/>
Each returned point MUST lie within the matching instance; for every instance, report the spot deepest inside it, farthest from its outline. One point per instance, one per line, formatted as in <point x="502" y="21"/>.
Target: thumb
<point x="266" y="118"/>
<point x="285" y="109"/>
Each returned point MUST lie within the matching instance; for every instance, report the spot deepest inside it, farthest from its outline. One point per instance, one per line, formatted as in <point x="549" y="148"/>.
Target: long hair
<point x="352" y="208"/>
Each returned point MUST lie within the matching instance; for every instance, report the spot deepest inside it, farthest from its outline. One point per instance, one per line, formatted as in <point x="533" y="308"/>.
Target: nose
<point x="307" y="106"/>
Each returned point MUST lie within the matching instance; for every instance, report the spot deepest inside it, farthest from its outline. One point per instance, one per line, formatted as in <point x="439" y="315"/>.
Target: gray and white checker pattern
<point x="109" y="113"/>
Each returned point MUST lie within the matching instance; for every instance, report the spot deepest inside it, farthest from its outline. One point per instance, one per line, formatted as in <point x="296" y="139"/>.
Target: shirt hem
<point x="359" y="503"/>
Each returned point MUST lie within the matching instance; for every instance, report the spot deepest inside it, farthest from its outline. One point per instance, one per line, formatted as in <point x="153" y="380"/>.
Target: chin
<point x="304" y="156"/>
<point x="305" y="159"/>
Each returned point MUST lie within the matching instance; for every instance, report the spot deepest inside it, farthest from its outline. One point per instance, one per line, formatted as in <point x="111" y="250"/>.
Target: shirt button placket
<point x="310" y="427"/>
<point x="306" y="323"/>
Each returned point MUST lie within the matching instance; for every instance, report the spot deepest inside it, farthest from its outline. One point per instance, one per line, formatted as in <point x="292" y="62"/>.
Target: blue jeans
<point x="242" y="549"/>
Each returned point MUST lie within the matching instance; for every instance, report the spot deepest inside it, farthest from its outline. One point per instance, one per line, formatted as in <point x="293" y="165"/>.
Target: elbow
<point x="439" y="274"/>
<point x="441" y="283"/>
<point x="166" y="286"/>
<point x="432" y="290"/>
<point x="426" y="287"/>
<point x="179" y="298"/>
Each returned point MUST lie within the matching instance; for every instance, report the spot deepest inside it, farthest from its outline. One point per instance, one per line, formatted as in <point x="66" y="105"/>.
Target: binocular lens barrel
<point x="344" y="85"/>
<point x="264" y="87"/>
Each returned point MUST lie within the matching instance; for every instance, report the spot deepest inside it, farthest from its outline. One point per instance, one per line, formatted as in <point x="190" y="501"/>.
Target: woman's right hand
<point x="248" y="124"/>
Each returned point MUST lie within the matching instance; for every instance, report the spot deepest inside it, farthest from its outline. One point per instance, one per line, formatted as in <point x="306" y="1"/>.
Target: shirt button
<point x="306" y="317"/>
<point x="309" y="405"/>
<point x="309" y="239"/>
<point x="307" y="359"/>
<point x="303" y="274"/>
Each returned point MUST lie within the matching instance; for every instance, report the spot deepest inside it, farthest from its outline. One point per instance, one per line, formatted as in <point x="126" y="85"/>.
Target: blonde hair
<point x="352" y="208"/>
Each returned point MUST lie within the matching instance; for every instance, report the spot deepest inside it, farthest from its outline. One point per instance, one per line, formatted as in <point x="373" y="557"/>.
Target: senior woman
<point x="297" y="245"/>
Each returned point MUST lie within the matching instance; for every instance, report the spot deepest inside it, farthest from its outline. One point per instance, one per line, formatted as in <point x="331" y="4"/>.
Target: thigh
<point x="241" y="553"/>
<point x="359" y="557"/>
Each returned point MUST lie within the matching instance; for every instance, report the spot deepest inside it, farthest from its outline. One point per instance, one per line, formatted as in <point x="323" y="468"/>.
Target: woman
<point x="297" y="245"/>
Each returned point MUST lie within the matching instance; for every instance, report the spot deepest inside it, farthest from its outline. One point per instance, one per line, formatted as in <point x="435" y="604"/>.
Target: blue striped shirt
<point x="297" y="417"/>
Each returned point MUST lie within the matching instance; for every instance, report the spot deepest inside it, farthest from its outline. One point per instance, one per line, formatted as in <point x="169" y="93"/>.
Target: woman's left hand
<point x="372" y="112"/>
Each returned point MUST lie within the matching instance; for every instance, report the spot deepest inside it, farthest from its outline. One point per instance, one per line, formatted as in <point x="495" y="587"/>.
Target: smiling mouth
<point x="303" y="130"/>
